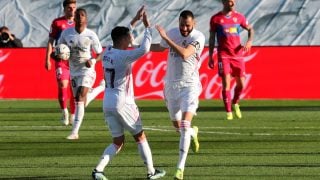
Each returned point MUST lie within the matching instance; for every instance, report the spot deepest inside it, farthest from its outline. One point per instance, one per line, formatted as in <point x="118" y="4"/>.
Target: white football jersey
<point x="80" y="49"/>
<point x="117" y="65"/>
<point x="178" y="69"/>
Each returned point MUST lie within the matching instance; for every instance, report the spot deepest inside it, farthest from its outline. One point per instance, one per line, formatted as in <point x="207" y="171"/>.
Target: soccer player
<point x="62" y="67"/>
<point x="81" y="41"/>
<point x="225" y="25"/>
<point x="182" y="82"/>
<point x="120" y="109"/>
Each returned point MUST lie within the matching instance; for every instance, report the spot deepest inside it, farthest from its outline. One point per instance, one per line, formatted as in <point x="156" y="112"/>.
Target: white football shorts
<point x="126" y="118"/>
<point x="82" y="80"/>
<point x="182" y="98"/>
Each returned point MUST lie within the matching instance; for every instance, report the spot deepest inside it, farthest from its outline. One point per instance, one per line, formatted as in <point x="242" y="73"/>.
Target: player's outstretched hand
<point x="137" y="17"/>
<point x="145" y="20"/>
<point x="211" y="63"/>
<point x="161" y="31"/>
<point x="140" y="13"/>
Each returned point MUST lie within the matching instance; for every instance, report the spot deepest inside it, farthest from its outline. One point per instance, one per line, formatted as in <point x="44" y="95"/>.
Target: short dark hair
<point x="185" y="14"/>
<point x="81" y="9"/>
<point x="119" y="32"/>
<point x="67" y="2"/>
<point x="4" y="28"/>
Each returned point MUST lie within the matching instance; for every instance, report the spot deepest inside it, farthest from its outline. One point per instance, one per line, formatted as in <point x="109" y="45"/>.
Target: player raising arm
<point x="120" y="109"/>
<point x="182" y="82"/>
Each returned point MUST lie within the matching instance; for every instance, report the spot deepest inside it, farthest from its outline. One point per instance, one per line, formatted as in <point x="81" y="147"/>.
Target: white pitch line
<point x="233" y="133"/>
<point x="203" y="130"/>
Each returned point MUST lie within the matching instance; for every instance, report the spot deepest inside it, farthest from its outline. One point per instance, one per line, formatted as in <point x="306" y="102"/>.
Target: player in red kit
<point x="226" y="26"/>
<point x="61" y="66"/>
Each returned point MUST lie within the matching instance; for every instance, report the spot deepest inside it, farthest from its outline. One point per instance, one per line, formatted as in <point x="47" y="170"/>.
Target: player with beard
<point x="182" y="83"/>
<point x="225" y="25"/>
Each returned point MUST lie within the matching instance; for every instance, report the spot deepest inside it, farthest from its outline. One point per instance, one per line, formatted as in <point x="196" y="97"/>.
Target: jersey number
<point x="109" y="73"/>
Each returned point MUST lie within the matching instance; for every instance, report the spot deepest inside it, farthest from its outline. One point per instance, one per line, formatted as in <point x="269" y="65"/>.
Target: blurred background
<point x="276" y="22"/>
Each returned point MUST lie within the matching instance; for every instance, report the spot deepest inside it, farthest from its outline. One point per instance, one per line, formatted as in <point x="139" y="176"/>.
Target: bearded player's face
<point x="186" y="26"/>
<point x="229" y="4"/>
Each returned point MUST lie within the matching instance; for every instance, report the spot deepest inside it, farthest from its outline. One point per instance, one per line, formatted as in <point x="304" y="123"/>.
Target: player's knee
<point x="119" y="141"/>
<point x="176" y="124"/>
<point x="140" y="137"/>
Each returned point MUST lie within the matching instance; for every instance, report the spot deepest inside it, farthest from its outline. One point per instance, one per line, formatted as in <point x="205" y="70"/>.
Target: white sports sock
<point x="65" y="111"/>
<point x="93" y="93"/>
<point x="192" y="132"/>
<point x="78" y="117"/>
<point x="145" y="153"/>
<point x="185" y="138"/>
<point x="106" y="157"/>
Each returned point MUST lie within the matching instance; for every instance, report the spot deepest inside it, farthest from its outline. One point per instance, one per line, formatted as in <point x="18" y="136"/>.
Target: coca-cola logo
<point x="211" y="82"/>
<point x="149" y="72"/>
<point x="3" y="57"/>
<point x="149" y="76"/>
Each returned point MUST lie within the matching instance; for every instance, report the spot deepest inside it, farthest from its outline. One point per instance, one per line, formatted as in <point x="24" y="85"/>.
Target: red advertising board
<point x="272" y="73"/>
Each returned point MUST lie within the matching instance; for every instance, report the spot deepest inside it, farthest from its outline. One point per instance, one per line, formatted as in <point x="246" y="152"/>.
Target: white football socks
<point x="78" y="117"/>
<point x="185" y="138"/>
<point x="106" y="157"/>
<point x="145" y="153"/>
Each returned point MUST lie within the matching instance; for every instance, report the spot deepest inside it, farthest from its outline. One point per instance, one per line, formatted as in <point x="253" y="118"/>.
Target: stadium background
<point x="283" y="63"/>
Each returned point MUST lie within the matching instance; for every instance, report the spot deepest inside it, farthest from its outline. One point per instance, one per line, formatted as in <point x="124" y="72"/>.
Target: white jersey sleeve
<point x="96" y="45"/>
<point x="117" y="65"/>
<point x="132" y="55"/>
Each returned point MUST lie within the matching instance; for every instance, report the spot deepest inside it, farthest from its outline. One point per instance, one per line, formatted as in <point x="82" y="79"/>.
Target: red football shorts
<point x="62" y="70"/>
<point x="233" y="66"/>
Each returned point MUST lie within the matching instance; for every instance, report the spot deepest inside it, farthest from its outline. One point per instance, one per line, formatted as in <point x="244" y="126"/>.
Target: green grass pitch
<point x="274" y="140"/>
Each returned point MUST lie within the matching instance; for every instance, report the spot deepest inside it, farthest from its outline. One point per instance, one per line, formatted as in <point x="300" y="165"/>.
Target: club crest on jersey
<point x="87" y="42"/>
<point x="70" y="22"/>
<point x="235" y="19"/>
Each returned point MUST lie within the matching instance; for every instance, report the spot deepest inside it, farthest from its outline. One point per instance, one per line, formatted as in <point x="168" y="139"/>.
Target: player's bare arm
<point x="247" y="46"/>
<point x="183" y="52"/>
<point x="48" y="53"/>
<point x="212" y="39"/>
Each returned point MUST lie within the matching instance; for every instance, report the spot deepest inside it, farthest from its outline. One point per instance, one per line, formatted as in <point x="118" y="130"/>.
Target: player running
<point x="226" y="26"/>
<point x="81" y="41"/>
<point x="120" y="109"/>
<point x="182" y="82"/>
